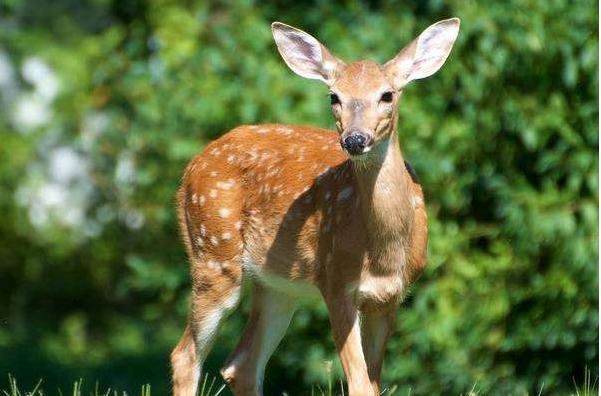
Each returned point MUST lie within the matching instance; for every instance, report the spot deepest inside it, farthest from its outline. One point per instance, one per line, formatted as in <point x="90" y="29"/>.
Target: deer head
<point x="365" y="95"/>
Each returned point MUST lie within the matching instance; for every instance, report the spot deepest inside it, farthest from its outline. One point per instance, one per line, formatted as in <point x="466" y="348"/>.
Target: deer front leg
<point x="344" y="318"/>
<point x="376" y="327"/>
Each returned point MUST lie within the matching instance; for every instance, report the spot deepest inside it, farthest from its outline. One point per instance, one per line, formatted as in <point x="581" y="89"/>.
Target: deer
<point x="299" y="210"/>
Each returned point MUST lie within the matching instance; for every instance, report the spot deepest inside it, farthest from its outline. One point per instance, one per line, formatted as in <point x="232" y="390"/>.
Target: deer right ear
<point x="304" y="54"/>
<point x="424" y="55"/>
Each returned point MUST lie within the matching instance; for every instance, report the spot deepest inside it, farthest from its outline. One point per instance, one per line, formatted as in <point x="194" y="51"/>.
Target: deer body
<point x="318" y="219"/>
<point x="302" y="210"/>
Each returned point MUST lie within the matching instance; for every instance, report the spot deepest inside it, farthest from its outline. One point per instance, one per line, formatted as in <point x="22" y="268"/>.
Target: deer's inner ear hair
<point x="334" y="99"/>
<point x="386" y="97"/>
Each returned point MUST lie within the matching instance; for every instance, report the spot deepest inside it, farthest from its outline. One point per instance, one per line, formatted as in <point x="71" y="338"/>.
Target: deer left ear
<point x="306" y="56"/>
<point x="425" y="55"/>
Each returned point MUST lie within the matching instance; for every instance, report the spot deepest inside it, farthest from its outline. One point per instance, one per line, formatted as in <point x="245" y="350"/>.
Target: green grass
<point x="213" y="387"/>
<point x="588" y="388"/>
<point x="76" y="390"/>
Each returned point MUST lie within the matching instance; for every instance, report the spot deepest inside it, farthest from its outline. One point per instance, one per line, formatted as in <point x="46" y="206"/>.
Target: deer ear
<point x="304" y="54"/>
<point x="424" y="55"/>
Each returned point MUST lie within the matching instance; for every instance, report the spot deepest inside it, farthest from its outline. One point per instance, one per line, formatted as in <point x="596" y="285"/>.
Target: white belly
<point x="294" y="288"/>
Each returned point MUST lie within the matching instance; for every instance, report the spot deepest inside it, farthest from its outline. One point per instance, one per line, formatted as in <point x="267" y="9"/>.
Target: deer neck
<point x="385" y="202"/>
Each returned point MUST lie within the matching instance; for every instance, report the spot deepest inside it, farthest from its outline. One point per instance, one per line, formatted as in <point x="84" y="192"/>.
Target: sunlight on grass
<point x="210" y="386"/>
<point x="207" y="387"/>
<point x="338" y="389"/>
<point x="588" y="388"/>
<point x="205" y="390"/>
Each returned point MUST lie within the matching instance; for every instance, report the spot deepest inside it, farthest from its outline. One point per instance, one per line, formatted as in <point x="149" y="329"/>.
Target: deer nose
<point x="356" y="143"/>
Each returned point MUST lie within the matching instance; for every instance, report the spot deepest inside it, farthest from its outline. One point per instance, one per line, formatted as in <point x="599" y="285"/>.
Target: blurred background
<point x="103" y="102"/>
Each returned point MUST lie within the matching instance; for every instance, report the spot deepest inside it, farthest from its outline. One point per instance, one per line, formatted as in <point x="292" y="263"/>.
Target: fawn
<point x="302" y="210"/>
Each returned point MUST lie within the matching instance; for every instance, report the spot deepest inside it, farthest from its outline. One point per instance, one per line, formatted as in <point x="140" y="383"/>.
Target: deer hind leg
<point x="270" y="316"/>
<point x="184" y="366"/>
<point x="215" y="293"/>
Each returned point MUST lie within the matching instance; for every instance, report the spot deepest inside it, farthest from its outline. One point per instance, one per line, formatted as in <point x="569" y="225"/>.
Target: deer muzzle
<point x="356" y="142"/>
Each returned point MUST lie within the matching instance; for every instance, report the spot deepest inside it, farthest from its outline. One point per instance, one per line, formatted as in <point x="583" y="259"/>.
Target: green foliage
<point x="93" y="279"/>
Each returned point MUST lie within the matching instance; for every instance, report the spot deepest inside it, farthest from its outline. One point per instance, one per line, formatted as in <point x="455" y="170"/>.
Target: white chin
<point x="362" y="154"/>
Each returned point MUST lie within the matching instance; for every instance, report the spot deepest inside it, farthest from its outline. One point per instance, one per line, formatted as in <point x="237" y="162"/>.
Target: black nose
<point x="356" y="143"/>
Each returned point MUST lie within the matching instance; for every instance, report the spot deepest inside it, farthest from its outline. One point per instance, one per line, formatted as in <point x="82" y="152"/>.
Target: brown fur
<point x="284" y="186"/>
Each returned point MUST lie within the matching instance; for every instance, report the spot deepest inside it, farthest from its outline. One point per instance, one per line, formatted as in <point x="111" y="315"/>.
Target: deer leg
<point x="376" y="327"/>
<point x="270" y="316"/>
<point x="344" y="319"/>
<point x="215" y="293"/>
<point x="184" y="365"/>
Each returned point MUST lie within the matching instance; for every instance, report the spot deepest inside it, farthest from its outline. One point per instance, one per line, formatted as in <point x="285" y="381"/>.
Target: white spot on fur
<point x="201" y="200"/>
<point x="213" y="264"/>
<point x="238" y="225"/>
<point x="224" y="212"/>
<point x="214" y="241"/>
<point x="213" y="193"/>
<point x="224" y="185"/>
<point x="213" y="173"/>
<point x="286" y="130"/>
<point x="415" y="200"/>
<point x="203" y="230"/>
<point x="226" y="236"/>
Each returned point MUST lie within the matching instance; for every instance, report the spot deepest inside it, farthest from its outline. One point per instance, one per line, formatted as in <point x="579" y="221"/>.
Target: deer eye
<point x="386" y="97"/>
<point x="334" y="99"/>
